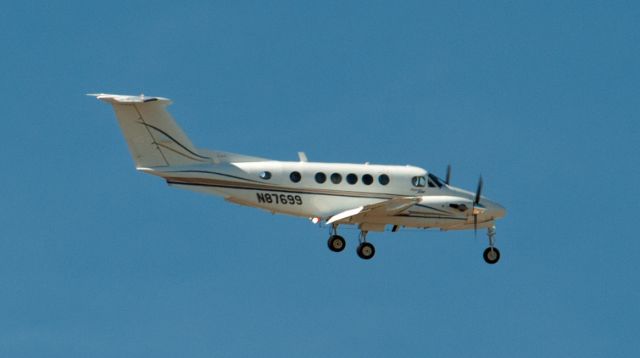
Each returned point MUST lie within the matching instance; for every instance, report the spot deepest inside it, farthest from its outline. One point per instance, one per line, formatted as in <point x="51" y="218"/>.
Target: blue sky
<point x="539" y="97"/>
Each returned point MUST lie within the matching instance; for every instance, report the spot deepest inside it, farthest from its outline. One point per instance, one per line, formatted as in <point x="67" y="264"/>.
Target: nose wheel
<point x="491" y="254"/>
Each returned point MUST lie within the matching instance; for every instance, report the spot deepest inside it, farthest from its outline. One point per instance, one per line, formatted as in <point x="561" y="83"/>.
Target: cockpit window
<point x="434" y="181"/>
<point x="418" y="181"/>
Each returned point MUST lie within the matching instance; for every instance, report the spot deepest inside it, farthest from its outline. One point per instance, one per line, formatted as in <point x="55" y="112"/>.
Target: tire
<point x="366" y="251"/>
<point x="491" y="255"/>
<point x="336" y="243"/>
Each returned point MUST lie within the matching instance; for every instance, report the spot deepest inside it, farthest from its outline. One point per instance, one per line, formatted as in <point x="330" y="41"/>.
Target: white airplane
<point x="370" y="196"/>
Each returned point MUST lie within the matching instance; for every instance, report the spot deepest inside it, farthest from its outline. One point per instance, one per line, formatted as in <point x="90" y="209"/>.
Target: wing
<point x="385" y="208"/>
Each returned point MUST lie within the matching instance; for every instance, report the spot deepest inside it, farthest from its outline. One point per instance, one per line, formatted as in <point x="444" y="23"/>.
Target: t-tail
<point x="153" y="137"/>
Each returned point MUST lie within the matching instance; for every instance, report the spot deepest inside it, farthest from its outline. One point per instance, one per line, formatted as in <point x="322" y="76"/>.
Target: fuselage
<point x="320" y="190"/>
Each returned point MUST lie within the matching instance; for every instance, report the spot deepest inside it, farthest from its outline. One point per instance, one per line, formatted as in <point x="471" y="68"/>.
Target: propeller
<point x="448" y="177"/>
<point x="477" y="207"/>
<point x="478" y="192"/>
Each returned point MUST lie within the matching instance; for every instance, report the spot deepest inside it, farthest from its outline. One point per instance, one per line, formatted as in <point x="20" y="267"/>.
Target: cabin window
<point x="352" y="178"/>
<point x="265" y="175"/>
<point x="383" y="179"/>
<point x="321" y="178"/>
<point x="295" y="177"/>
<point x="336" y="178"/>
<point x="419" y="181"/>
<point x="367" y="179"/>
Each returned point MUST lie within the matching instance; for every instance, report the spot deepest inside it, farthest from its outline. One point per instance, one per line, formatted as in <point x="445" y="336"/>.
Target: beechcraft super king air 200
<point x="373" y="197"/>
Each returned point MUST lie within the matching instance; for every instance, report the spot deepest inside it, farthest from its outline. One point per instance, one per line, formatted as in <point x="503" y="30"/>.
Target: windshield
<point x="434" y="181"/>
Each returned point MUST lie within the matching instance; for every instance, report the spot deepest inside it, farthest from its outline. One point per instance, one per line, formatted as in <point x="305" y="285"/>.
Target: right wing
<point x="389" y="207"/>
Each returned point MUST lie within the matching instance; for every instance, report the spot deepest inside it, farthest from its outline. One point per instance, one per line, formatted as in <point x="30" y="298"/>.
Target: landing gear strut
<point x="336" y="242"/>
<point x="365" y="250"/>
<point x="491" y="254"/>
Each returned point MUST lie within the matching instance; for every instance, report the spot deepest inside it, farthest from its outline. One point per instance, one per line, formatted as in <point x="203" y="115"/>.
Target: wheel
<point x="491" y="255"/>
<point x="366" y="251"/>
<point x="336" y="243"/>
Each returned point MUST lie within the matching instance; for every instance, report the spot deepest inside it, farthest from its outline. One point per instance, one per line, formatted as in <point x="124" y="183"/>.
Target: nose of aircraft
<point x="495" y="210"/>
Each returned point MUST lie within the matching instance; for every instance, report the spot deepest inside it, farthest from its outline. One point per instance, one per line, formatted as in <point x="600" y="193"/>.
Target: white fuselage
<point x="320" y="190"/>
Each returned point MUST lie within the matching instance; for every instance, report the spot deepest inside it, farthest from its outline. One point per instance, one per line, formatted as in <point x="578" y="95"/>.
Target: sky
<point x="538" y="97"/>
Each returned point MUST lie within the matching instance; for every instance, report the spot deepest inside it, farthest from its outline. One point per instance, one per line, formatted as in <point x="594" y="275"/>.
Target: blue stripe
<point x="174" y="140"/>
<point x="216" y="173"/>
<point x="432" y="208"/>
<point x="275" y="190"/>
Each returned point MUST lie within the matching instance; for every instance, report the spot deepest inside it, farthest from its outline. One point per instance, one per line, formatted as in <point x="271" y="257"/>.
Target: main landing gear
<point x="336" y="243"/>
<point x="365" y="249"/>
<point x="491" y="254"/>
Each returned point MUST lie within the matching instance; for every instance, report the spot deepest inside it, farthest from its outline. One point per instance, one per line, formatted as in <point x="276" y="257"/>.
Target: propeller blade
<point x="448" y="178"/>
<point x="478" y="192"/>
<point x="477" y="208"/>
<point x="475" y="226"/>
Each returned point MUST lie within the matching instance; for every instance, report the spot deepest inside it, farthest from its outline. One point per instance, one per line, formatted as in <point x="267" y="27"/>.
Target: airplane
<point x="373" y="197"/>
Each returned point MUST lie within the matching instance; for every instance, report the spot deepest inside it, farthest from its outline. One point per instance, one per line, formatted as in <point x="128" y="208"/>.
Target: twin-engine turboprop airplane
<point x="370" y="196"/>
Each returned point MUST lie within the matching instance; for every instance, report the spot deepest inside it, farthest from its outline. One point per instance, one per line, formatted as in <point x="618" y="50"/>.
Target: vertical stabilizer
<point x="153" y="137"/>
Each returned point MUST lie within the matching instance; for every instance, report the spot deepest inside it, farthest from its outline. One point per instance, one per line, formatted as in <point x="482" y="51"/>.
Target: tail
<point x="153" y="137"/>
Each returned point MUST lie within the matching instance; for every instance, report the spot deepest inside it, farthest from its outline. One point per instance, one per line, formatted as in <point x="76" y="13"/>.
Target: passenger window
<point x="367" y="179"/>
<point x="265" y="175"/>
<point x="383" y="179"/>
<point x="352" y="178"/>
<point x="320" y="178"/>
<point x="336" y="178"/>
<point x="419" y="181"/>
<point x="295" y="177"/>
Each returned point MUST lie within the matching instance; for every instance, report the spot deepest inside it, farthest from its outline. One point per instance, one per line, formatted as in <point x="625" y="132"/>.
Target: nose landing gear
<point x="491" y="255"/>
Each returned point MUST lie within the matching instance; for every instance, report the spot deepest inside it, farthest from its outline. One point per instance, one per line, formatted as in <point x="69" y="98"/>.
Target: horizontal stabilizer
<point x="118" y="98"/>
